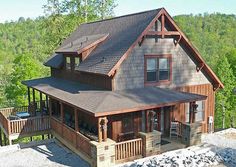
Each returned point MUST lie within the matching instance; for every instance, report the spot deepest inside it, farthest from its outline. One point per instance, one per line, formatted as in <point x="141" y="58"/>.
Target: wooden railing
<point x="13" y="110"/>
<point x="30" y="125"/>
<point x="76" y="139"/>
<point x="7" y="111"/>
<point x="5" y="123"/>
<point x="128" y="150"/>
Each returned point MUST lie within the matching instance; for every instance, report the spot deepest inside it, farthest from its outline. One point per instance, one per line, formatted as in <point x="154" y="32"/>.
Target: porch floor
<point x="168" y="144"/>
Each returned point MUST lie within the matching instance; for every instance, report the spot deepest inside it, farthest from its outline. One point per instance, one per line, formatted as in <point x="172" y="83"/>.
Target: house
<point x="118" y="87"/>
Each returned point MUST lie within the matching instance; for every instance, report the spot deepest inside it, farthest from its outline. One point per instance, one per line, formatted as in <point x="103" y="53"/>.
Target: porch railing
<point x="13" y="110"/>
<point x="128" y="150"/>
<point x="76" y="139"/>
<point x="30" y="125"/>
<point x="4" y="122"/>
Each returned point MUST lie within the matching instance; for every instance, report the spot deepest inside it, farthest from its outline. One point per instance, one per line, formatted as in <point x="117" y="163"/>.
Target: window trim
<point x="160" y="82"/>
<point x="202" y="111"/>
<point x="72" y="62"/>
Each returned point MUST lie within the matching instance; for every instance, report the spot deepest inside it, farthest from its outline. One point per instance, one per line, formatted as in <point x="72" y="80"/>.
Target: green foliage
<point x="225" y="99"/>
<point x="215" y="37"/>
<point x="24" y="68"/>
<point x="35" y="40"/>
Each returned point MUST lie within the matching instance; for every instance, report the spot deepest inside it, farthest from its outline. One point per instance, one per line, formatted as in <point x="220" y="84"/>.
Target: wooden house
<point x="118" y="87"/>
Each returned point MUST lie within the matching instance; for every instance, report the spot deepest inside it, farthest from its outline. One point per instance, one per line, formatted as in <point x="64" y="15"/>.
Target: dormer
<point x="72" y="52"/>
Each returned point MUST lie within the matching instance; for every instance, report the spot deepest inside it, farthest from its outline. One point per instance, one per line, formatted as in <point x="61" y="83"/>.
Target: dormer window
<point x="68" y="63"/>
<point x="157" y="69"/>
<point x="77" y="61"/>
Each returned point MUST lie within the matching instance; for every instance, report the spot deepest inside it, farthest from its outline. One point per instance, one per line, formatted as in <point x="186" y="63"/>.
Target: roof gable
<point x="125" y="33"/>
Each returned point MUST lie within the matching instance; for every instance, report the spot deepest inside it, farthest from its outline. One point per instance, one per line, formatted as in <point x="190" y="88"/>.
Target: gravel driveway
<point x="47" y="155"/>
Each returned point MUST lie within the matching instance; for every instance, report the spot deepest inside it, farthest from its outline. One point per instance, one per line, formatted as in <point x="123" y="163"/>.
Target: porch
<point x="114" y="126"/>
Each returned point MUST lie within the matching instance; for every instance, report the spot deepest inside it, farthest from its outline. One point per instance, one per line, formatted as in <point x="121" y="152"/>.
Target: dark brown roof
<point x="102" y="102"/>
<point x="55" y="61"/>
<point x="123" y="32"/>
<point x="78" y="45"/>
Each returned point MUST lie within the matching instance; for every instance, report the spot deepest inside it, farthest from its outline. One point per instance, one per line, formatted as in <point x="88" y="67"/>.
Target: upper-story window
<point x="77" y="61"/>
<point x="158" y="68"/>
<point x="72" y="62"/>
<point x="68" y="63"/>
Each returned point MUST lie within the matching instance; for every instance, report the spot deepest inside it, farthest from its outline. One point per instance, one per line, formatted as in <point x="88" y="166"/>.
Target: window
<point x="77" y="61"/>
<point x="151" y="70"/>
<point x="68" y="63"/>
<point x="157" y="68"/>
<point x="187" y="112"/>
<point x="199" y="113"/>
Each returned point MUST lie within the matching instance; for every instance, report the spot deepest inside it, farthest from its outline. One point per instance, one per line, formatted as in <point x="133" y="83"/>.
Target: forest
<point x="27" y="43"/>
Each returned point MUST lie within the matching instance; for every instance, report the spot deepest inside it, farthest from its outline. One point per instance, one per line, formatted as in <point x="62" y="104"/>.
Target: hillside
<point x="26" y="44"/>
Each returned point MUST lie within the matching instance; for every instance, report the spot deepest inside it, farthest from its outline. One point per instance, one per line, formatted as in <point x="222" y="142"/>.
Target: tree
<point x="225" y="98"/>
<point x="24" y="68"/>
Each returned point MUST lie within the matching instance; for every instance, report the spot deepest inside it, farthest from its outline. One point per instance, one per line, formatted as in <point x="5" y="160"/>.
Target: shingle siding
<point x="131" y="72"/>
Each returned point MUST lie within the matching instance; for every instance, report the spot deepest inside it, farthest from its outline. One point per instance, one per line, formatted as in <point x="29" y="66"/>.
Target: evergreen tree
<point x="225" y="99"/>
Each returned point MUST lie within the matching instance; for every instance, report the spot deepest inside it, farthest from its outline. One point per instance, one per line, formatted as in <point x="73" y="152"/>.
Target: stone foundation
<point x="151" y="143"/>
<point x="103" y="154"/>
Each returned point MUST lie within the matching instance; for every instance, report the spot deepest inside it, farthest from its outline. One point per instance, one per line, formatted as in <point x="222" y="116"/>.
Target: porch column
<point x="62" y="112"/>
<point x="47" y="104"/>
<point x="76" y="120"/>
<point x="50" y="107"/>
<point x="147" y="121"/>
<point x="41" y="102"/>
<point x="151" y="120"/>
<point x="99" y="130"/>
<point x="28" y="96"/>
<point x="192" y="112"/>
<point x="102" y="129"/>
<point x="34" y="105"/>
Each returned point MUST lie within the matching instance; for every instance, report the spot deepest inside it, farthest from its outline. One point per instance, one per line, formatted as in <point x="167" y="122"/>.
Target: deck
<point x="37" y="124"/>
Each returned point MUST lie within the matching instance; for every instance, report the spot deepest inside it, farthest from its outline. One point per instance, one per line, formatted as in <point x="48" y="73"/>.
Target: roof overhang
<point x="99" y="102"/>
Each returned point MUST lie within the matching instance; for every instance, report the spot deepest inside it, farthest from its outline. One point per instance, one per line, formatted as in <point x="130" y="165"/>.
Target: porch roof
<point x="100" y="102"/>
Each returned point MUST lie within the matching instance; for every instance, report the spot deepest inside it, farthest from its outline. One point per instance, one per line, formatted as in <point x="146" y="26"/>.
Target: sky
<point x="13" y="9"/>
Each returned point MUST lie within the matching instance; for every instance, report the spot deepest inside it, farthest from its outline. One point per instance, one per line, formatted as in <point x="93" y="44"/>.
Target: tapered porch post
<point x="104" y="128"/>
<point x="147" y="121"/>
<point x="99" y="130"/>
<point x="151" y="121"/>
<point x="62" y="112"/>
<point x="76" y="120"/>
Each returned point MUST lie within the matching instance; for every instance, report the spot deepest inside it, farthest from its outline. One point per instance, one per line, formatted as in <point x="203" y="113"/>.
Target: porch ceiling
<point x="103" y="102"/>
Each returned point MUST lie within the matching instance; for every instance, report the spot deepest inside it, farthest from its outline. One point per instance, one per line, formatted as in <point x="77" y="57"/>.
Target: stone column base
<point x="151" y="143"/>
<point x="103" y="154"/>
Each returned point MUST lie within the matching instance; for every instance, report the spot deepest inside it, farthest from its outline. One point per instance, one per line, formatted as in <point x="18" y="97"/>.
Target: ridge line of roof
<point x="112" y="18"/>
